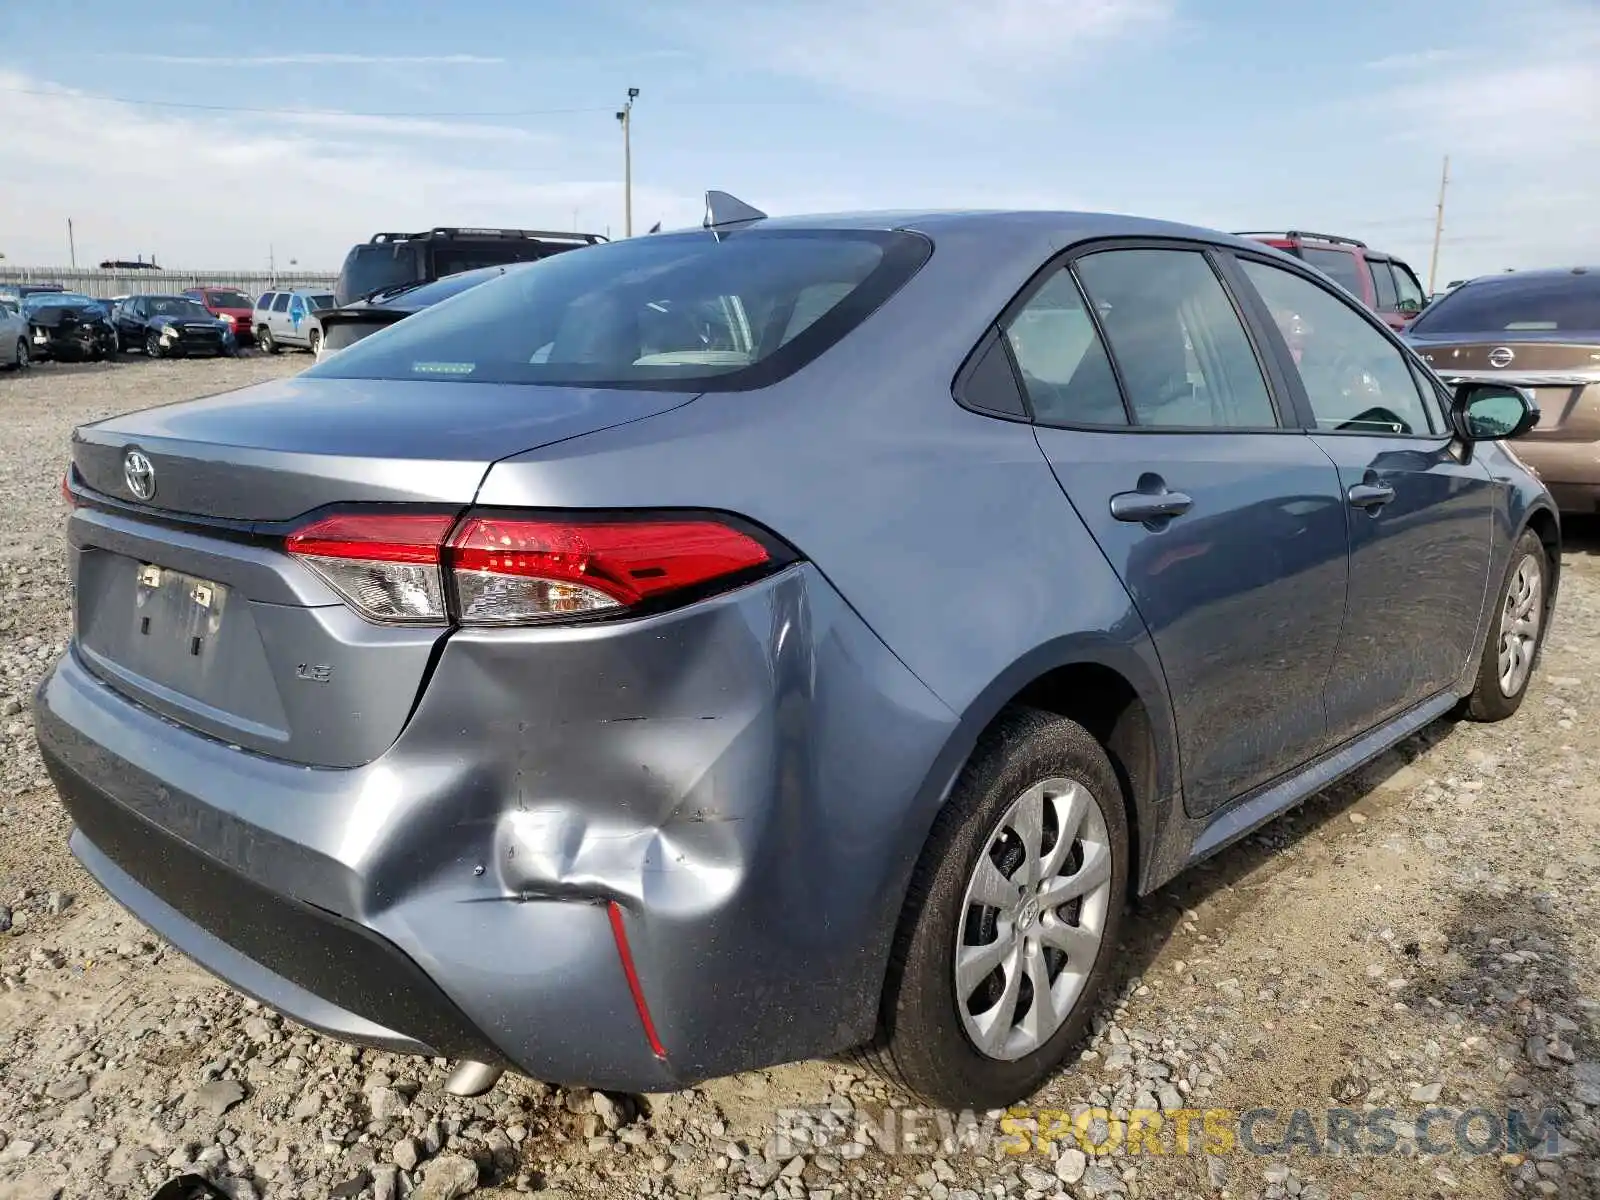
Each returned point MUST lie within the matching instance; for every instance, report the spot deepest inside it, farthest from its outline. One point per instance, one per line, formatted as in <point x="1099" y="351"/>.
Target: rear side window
<point x="1545" y="303"/>
<point x="1338" y="265"/>
<point x="1383" y="284"/>
<point x="452" y="257"/>
<point x="693" y="311"/>
<point x="1064" y="368"/>
<point x="280" y="302"/>
<point x="266" y="300"/>
<point x="1178" y="344"/>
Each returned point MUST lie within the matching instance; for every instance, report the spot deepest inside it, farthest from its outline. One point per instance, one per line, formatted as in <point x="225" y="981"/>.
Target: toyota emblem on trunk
<point x="1501" y="356"/>
<point x="139" y="475"/>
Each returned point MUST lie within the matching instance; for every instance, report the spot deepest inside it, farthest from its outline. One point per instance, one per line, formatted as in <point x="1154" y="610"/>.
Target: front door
<point x="1225" y="526"/>
<point x="1419" y="509"/>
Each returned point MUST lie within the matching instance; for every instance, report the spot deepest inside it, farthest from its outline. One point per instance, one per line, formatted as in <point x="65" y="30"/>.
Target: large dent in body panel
<point x="742" y="777"/>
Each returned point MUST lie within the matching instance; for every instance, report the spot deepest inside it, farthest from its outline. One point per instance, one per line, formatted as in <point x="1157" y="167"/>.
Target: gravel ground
<point x="1419" y="940"/>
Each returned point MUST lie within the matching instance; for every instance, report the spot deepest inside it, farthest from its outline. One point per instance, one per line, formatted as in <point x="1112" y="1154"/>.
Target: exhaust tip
<point x="472" y="1078"/>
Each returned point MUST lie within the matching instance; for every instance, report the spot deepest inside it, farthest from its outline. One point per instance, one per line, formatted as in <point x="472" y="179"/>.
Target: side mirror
<point x="1492" y="412"/>
<point x="1409" y="306"/>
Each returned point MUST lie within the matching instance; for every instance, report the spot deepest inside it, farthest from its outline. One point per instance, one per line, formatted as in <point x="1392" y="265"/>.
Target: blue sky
<point x="1232" y="113"/>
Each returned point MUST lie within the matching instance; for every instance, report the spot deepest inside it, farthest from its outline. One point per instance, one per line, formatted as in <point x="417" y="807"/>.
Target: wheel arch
<point x="1115" y="690"/>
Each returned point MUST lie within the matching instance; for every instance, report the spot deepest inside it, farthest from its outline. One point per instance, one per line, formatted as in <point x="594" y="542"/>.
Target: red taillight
<point x="66" y="488"/>
<point x="385" y="565"/>
<point x="378" y="537"/>
<point x="510" y="569"/>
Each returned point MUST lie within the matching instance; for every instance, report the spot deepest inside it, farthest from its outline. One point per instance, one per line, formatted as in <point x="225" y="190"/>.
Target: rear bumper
<point x="747" y="779"/>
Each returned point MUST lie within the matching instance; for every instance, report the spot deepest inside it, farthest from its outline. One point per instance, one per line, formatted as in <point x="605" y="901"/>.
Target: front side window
<point x="1356" y="380"/>
<point x="1065" y="371"/>
<point x="1338" y="265"/>
<point x="1179" y="346"/>
<point x="1383" y="284"/>
<point x="681" y="312"/>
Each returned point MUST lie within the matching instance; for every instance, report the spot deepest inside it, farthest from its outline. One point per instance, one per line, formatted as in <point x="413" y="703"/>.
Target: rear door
<point x="1222" y="519"/>
<point x="1420" y="518"/>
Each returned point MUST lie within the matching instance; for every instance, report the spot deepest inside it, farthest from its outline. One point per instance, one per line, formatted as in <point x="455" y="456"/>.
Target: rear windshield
<point x="228" y="299"/>
<point x="371" y="267"/>
<point x="684" y="312"/>
<point x="1509" y="305"/>
<point x="1338" y="265"/>
<point x="421" y="295"/>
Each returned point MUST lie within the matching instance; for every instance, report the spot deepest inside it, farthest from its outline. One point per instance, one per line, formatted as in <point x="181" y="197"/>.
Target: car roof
<point x="1543" y="274"/>
<point x="1048" y="227"/>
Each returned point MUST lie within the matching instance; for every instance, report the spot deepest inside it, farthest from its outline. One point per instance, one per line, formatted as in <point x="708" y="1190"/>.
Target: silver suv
<point x="289" y="318"/>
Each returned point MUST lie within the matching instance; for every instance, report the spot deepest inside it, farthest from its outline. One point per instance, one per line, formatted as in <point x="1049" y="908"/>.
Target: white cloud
<point x="922" y="52"/>
<point x="206" y="191"/>
<point x="1518" y="118"/>
<point x="317" y="60"/>
<point x="1415" y="59"/>
<point x="370" y="125"/>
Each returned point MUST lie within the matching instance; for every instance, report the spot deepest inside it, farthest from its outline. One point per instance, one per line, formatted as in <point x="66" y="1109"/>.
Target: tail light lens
<point x="516" y="569"/>
<point x="509" y="570"/>
<point x="384" y="565"/>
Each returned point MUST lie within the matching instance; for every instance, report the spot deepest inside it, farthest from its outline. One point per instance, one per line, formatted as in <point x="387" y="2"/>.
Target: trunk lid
<point x="1562" y="370"/>
<point x="183" y="598"/>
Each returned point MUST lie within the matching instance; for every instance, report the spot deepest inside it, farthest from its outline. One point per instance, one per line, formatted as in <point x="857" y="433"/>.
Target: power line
<point x="96" y="97"/>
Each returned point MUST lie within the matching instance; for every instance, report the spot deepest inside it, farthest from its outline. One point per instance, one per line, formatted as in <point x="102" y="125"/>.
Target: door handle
<point x="1149" y="506"/>
<point x="1369" y="495"/>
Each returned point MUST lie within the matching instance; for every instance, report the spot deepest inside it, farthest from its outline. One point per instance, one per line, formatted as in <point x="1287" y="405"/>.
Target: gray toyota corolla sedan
<point x="732" y="646"/>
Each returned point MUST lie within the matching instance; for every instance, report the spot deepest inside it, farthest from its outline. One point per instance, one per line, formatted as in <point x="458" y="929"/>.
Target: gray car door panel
<point x="1420" y="510"/>
<point x="1229" y="538"/>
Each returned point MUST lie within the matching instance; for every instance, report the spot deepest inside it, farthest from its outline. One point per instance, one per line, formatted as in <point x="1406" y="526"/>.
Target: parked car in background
<point x="171" y="327"/>
<point x="389" y="260"/>
<point x="289" y="318"/>
<point x="14" y="350"/>
<point x="344" y="326"/>
<point x="899" y="592"/>
<point x="1539" y="330"/>
<point x="230" y="305"/>
<point x="67" y="326"/>
<point x="1381" y="281"/>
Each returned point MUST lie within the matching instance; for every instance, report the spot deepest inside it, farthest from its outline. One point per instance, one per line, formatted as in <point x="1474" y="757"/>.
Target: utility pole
<point x="72" y="246"/>
<point x="625" y="115"/>
<point x="1438" y="226"/>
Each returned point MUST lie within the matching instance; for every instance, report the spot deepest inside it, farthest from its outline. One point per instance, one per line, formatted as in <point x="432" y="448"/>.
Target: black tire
<point x="265" y="341"/>
<point x="1489" y="700"/>
<point x="23" y="360"/>
<point x="152" y="346"/>
<point x="922" y="1044"/>
<point x="315" y="342"/>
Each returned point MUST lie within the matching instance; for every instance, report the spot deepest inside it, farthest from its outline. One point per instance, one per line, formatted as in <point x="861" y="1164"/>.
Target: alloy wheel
<point x="1519" y="624"/>
<point x="1033" y="919"/>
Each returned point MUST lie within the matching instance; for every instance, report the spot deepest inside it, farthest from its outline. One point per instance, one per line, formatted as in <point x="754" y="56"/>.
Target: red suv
<point x="228" y="303"/>
<point x="1381" y="281"/>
